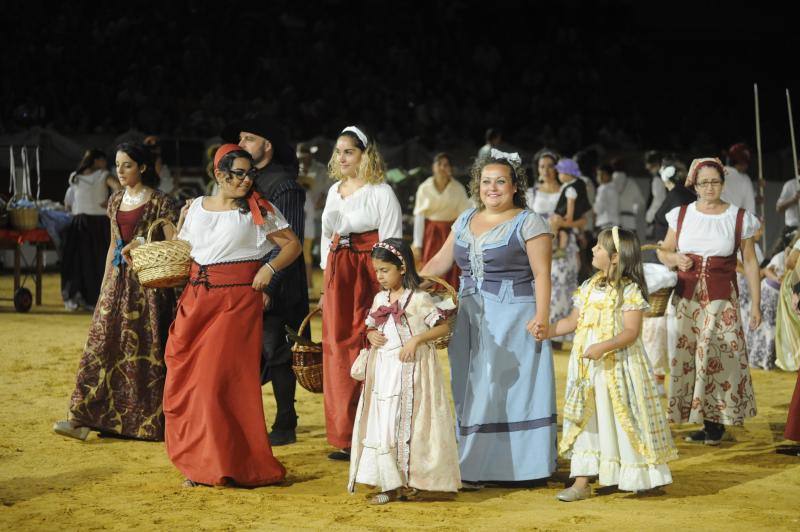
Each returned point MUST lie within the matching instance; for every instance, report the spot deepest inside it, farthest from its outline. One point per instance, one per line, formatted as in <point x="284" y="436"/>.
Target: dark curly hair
<point x="518" y="178"/>
<point x="226" y="165"/>
<point x="142" y="156"/>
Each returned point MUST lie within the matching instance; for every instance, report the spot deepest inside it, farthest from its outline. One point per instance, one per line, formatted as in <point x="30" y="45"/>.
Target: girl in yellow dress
<point x="614" y="425"/>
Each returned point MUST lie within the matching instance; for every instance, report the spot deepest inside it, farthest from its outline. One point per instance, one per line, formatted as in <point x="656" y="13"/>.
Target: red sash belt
<point x="224" y="274"/>
<point x="356" y="242"/>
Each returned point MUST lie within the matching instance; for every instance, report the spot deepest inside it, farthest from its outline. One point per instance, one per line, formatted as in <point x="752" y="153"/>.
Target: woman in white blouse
<point x="711" y="383"/>
<point x="542" y="200"/>
<point x="438" y="202"/>
<point x="215" y="432"/>
<point x="86" y="240"/>
<point x="361" y="210"/>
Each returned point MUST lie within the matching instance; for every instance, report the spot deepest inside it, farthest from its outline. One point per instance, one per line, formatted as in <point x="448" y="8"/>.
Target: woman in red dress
<point x="215" y="431"/>
<point x="360" y="210"/>
<point x="437" y="204"/>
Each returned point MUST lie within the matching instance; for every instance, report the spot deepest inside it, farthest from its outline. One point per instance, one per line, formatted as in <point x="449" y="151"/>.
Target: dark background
<point x="627" y="75"/>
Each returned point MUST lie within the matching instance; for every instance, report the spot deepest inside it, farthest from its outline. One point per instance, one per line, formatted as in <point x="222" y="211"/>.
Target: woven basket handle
<point x="306" y="320"/>
<point x="156" y="223"/>
<point x="445" y="284"/>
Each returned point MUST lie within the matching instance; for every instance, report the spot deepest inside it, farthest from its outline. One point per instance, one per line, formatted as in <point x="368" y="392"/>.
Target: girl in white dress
<point x="403" y="435"/>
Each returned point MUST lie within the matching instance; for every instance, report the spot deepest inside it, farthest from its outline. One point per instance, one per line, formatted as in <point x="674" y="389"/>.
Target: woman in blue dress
<point x="503" y="380"/>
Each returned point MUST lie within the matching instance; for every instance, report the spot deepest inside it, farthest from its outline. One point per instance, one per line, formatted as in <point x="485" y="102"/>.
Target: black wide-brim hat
<point x="262" y="125"/>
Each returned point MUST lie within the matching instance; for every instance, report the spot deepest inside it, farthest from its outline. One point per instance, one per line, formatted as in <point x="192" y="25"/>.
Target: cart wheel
<point x="23" y="299"/>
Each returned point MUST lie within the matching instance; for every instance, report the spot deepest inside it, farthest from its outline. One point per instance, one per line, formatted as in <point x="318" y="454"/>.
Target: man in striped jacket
<point x="286" y="297"/>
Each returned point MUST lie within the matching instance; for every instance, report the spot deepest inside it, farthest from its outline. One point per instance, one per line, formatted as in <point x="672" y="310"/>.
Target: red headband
<point x="697" y="164"/>
<point x="713" y="164"/>
<point x="222" y="151"/>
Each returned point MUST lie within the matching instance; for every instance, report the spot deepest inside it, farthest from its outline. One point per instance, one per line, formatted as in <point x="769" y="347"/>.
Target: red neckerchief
<point x="254" y="201"/>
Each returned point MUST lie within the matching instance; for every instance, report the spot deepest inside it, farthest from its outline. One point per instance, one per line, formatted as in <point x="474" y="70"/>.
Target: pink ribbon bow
<point x="382" y="313"/>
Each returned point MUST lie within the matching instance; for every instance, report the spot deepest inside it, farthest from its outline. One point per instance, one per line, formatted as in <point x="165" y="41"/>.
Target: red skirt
<point x="350" y="287"/>
<point x="792" y="430"/>
<point x="435" y="235"/>
<point x="214" y="416"/>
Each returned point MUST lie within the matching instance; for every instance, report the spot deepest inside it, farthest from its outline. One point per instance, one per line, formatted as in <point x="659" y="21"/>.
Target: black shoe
<point x="696" y="437"/>
<point x="280" y="437"/>
<point x="342" y="456"/>
<point x="714" y="433"/>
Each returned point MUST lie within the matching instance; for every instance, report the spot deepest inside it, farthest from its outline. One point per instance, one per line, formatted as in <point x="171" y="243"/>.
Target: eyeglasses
<point x="706" y="184"/>
<point x="241" y="175"/>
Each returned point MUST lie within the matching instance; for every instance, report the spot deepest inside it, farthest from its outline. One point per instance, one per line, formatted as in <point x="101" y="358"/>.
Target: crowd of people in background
<point x="168" y="59"/>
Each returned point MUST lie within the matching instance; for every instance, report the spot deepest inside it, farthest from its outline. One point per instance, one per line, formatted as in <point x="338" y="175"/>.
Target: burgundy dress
<point x="120" y="381"/>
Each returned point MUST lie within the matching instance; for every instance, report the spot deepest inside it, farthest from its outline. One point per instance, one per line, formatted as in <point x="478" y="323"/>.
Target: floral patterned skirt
<point x="761" y="341"/>
<point x="709" y="375"/>
<point x="564" y="282"/>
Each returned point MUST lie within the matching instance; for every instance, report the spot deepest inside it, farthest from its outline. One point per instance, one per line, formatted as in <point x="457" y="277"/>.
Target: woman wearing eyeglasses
<point x="215" y="432"/>
<point x="711" y="383"/>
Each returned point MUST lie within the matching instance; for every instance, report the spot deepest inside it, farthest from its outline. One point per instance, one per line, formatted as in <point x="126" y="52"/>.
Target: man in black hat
<point x="286" y="297"/>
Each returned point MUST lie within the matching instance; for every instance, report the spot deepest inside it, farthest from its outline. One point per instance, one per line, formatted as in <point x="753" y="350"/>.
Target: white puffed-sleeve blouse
<point x="710" y="235"/>
<point x="227" y="236"/>
<point x="369" y="208"/>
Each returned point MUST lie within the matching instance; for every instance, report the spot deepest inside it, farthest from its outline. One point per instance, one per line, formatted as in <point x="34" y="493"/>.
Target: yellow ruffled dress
<point x="614" y="425"/>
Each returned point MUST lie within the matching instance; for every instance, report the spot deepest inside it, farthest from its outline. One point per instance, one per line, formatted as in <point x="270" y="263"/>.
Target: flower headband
<point x="513" y="158"/>
<point x="667" y="172"/>
<point x="391" y="249"/>
<point x="358" y="133"/>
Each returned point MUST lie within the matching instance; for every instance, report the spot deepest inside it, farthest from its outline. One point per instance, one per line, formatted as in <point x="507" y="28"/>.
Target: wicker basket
<point x="307" y="360"/>
<point x="660" y="298"/>
<point x="443" y="289"/>
<point x="162" y="264"/>
<point x="25" y="218"/>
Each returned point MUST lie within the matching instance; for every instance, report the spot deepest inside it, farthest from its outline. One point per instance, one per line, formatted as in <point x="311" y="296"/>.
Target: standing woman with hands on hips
<point x="360" y="211"/>
<point x="502" y="378"/>
<point x="711" y="382"/>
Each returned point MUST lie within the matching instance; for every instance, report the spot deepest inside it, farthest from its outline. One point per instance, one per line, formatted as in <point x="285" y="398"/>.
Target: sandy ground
<point x="48" y="482"/>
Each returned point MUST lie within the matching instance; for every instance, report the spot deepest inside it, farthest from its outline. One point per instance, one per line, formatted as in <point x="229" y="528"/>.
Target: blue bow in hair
<point x="118" y="260"/>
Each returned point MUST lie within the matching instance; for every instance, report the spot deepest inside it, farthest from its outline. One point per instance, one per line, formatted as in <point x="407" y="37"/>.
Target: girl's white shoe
<point x="573" y="494"/>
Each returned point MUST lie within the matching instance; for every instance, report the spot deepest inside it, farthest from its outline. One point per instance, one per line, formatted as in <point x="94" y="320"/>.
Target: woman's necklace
<point x="133" y="199"/>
